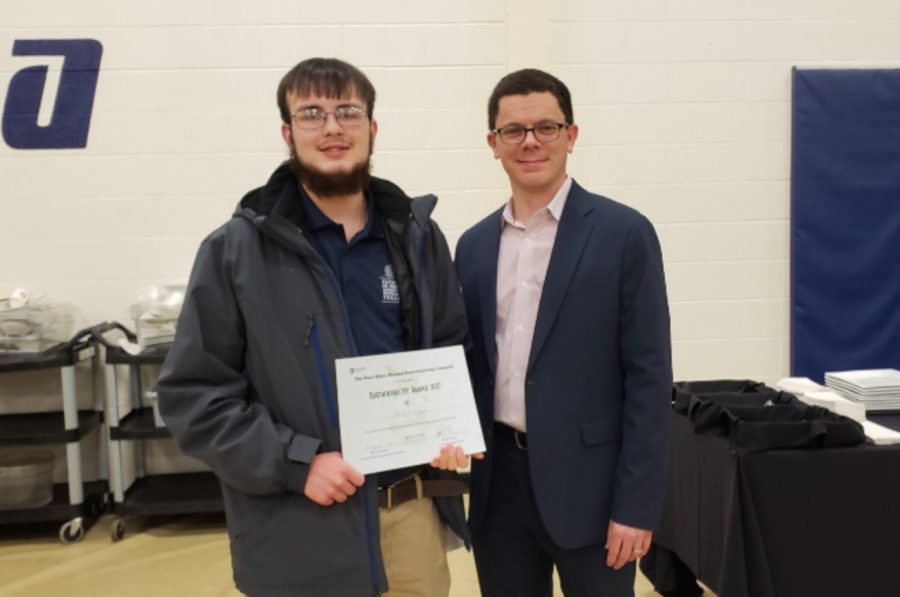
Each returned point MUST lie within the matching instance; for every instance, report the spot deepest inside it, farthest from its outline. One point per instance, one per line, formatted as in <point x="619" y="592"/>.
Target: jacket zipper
<point x="312" y="338"/>
<point x="369" y="547"/>
<point x="312" y="335"/>
<point x="417" y="277"/>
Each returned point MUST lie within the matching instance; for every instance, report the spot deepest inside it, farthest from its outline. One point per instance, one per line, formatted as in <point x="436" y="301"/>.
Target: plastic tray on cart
<point x="149" y="494"/>
<point x="76" y="503"/>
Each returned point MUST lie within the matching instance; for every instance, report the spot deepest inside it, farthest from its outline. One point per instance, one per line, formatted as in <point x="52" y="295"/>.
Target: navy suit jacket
<point x="599" y="376"/>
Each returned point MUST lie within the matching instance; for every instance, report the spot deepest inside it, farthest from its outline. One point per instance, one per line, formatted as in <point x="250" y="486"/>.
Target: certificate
<point x="398" y="409"/>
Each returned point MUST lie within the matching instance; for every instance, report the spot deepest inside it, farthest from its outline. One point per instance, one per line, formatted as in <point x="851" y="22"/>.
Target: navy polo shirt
<point x="364" y="271"/>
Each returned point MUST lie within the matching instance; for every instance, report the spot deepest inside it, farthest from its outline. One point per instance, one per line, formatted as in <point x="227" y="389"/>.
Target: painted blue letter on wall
<point x="74" y="102"/>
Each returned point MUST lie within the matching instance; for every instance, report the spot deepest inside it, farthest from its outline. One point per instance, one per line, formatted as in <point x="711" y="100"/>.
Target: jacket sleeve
<point x="645" y="349"/>
<point x="450" y="323"/>
<point x="205" y="397"/>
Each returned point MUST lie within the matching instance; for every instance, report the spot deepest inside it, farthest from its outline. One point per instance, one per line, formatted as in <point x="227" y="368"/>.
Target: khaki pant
<point x="413" y="548"/>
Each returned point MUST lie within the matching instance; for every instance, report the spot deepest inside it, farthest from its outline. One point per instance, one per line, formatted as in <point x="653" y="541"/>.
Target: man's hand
<point x="625" y="544"/>
<point x="452" y="458"/>
<point x="331" y="479"/>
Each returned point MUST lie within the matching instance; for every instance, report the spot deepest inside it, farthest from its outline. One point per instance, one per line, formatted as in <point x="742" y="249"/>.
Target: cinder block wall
<point x="683" y="107"/>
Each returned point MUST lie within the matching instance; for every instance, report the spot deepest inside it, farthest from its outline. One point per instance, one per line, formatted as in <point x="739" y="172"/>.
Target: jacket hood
<point x="390" y="200"/>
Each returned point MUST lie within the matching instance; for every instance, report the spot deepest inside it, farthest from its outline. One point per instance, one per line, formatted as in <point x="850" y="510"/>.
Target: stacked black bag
<point x="756" y="417"/>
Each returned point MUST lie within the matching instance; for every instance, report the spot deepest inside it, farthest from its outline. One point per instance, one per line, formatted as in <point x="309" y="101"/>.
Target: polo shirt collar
<point x="318" y="220"/>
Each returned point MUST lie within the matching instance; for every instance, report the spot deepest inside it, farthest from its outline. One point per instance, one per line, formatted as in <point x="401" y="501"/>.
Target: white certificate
<point x="398" y="409"/>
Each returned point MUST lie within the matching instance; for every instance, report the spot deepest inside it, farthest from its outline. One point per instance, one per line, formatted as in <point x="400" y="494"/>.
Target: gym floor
<point x="183" y="555"/>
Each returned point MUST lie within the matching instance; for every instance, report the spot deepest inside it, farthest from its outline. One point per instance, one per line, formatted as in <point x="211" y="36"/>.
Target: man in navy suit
<point x="571" y="362"/>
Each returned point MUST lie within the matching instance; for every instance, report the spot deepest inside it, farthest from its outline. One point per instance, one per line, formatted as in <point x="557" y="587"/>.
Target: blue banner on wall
<point x="845" y="221"/>
<point x="74" y="101"/>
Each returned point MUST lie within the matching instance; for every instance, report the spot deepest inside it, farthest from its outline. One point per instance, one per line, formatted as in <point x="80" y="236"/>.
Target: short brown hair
<point x="525" y="81"/>
<point x="328" y="77"/>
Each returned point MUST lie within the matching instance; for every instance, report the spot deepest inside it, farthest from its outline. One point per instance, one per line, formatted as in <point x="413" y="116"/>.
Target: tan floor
<point x="177" y="556"/>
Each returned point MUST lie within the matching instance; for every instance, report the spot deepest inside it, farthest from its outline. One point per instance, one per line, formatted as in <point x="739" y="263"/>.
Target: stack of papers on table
<point x="816" y="395"/>
<point x="799" y="385"/>
<point x="880" y="435"/>
<point x="877" y="389"/>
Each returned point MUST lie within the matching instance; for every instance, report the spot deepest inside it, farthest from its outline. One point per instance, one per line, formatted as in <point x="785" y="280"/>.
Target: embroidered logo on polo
<point x="389" y="291"/>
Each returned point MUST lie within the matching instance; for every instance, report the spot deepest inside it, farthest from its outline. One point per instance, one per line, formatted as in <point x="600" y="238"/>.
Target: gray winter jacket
<point x="249" y="385"/>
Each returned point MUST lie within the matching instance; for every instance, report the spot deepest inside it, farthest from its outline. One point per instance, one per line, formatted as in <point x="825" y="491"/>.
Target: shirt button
<point x="523" y="284"/>
<point x="520" y="327"/>
<point x="518" y="373"/>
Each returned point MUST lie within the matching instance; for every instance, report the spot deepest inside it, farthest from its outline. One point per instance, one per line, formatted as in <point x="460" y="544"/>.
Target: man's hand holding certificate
<point x="399" y="409"/>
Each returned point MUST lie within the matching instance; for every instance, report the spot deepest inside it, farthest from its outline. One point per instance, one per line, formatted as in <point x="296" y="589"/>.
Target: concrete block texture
<point x="683" y="108"/>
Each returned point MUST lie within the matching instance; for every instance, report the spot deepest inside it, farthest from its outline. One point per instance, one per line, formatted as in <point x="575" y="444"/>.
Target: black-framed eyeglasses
<point x="513" y="134"/>
<point x="315" y="118"/>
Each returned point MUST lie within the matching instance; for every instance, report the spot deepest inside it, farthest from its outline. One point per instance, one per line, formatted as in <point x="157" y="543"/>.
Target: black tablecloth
<point x="783" y="523"/>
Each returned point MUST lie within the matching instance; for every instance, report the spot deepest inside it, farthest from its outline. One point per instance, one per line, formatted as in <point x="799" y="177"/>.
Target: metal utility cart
<point x="149" y="495"/>
<point x="77" y="503"/>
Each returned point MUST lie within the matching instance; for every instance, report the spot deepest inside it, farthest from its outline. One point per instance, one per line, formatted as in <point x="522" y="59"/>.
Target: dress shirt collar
<point x="555" y="207"/>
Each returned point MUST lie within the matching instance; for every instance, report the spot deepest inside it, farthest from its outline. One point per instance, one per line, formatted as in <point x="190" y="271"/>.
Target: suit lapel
<point x="571" y="238"/>
<point x="487" y="290"/>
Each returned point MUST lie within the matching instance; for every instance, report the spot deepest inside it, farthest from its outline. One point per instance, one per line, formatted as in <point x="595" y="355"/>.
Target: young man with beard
<point x="570" y="358"/>
<point x="322" y="262"/>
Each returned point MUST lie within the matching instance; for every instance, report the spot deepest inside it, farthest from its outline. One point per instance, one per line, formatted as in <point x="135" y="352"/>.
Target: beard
<point x="331" y="184"/>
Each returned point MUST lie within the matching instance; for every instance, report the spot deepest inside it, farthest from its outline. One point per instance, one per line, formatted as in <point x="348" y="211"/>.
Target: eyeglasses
<point x="314" y="118"/>
<point x="513" y="134"/>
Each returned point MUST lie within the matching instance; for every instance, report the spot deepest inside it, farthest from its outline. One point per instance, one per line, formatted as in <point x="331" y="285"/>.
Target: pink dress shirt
<point x="521" y="268"/>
